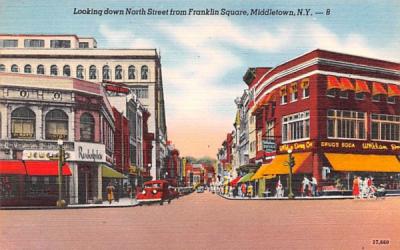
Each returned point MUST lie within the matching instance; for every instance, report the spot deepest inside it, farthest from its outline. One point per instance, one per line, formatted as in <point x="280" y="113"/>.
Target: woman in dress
<point x="356" y="188"/>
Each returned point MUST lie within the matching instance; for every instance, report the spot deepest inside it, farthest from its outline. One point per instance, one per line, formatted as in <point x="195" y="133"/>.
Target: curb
<point x="68" y="207"/>
<point x="296" y="198"/>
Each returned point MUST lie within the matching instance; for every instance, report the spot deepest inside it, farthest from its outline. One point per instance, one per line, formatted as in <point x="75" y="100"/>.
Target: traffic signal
<point x="292" y="162"/>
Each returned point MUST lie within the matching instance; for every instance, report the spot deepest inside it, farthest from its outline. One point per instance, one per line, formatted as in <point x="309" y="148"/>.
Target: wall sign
<point x="298" y="146"/>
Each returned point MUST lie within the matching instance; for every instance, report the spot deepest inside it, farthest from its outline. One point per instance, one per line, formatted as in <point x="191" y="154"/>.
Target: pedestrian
<point x="110" y="192"/>
<point x="366" y="187"/>
<point x="305" y="186"/>
<point x="360" y="187"/>
<point x="116" y="192"/>
<point x="279" y="189"/>
<point x="243" y="187"/>
<point x="250" y="190"/>
<point x="356" y="187"/>
<point x="314" y="186"/>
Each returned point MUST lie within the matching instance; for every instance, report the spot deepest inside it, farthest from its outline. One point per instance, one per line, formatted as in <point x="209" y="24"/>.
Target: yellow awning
<point x="108" y="172"/>
<point x="363" y="163"/>
<point x="277" y="166"/>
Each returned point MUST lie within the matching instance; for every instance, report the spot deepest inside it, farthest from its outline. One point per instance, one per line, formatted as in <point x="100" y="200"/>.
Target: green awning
<point x="108" y="172"/>
<point x="247" y="177"/>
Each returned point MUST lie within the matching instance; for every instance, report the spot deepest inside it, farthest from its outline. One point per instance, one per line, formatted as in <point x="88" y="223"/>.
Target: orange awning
<point x="12" y="167"/>
<point x="363" y="163"/>
<point x="378" y="89"/>
<point x="45" y="168"/>
<point x="346" y="84"/>
<point x="393" y="90"/>
<point x="277" y="166"/>
<point x="362" y="87"/>
<point x="333" y="83"/>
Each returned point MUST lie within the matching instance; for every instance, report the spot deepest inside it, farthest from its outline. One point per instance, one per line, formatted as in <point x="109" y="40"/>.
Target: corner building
<point x="338" y="113"/>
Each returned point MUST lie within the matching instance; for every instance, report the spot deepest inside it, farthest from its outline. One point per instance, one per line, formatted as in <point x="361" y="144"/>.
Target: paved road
<point x="206" y="221"/>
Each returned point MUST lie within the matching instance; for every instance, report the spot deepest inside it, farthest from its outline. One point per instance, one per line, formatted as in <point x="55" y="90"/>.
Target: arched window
<point x="131" y="72"/>
<point x="87" y="127"/>
<point x="28" y="69"/>
<point x="144" y="72"/>
<point x="92" y="72"/>
<point x="106" y="72"/>
<point x="23" y="123"/>
<point x="14" y="68"/>
<point x="2" y="68"/>
<point x="79" y="72"/>
<point x="66" y="70"/>
<point x="53" y="70"/>
<point x="40" y="69"/>
<point x="56" y="125"/>
<point x="118" y="72"/>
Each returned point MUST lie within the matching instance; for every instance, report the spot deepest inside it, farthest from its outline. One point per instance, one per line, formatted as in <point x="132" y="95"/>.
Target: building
<point x="36" y="111"/>
<point x="173" y="163"/>
<point x="79" y="57"/>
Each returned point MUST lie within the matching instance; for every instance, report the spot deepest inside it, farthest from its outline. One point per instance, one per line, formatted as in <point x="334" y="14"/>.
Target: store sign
<point x="43" y="155"/>
<point x="298" y="146"/>
<point x="91" y="152"/>
<point x="376" y="146"/>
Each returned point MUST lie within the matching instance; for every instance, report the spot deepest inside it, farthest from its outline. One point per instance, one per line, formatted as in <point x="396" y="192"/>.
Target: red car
<point x="154" y="191"/>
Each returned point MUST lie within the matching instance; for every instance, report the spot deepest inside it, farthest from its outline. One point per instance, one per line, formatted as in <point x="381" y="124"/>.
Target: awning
<point x="362" y="87"/>
<point x="378" y="89"/>
<point x="235" y="181"/>
<point x="346" y="84"/>
<point x="12" y="167"/>
<point x="277" y="166"/>
<point x="393" y="90"/>
<point x="108" y="172"/>
<point x="333" y="83"/>
<point x="45" y="168"/>
<point x="363" y="163"/>
<point x="247" y="177"/>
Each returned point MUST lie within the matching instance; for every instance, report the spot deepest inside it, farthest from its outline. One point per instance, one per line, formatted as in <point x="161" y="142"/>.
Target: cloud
<point x="123" y="38"/>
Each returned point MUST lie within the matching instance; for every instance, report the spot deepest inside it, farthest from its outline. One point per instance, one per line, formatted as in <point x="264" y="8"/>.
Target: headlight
<point x="144" y="192"/>
<point x="154" y="191"/>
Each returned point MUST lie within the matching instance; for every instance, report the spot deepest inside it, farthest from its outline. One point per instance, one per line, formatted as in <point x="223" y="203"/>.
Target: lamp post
<point x="290" y="164"/>
<point x="60" y="202"/>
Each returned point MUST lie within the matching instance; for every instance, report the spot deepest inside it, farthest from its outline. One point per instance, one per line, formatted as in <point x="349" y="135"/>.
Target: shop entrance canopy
<point x="363" y="163"/>
<point x="108" y="172"/>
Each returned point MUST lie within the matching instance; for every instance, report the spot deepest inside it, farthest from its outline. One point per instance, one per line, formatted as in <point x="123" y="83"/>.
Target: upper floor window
<point x="144" y="72"/>
<point x="293" y="92"/>
<point x="53" y="70"/>
<point x="23" y="122"/>
<point x="359" y="96"/>
<point x="283" y="93"/>
<point x="87" y="127"/>
<point x="344" y="94"/>
<point x="92" y="72"/>
<point x="83" y="45"/>
<point x="60" y="44"/>
<point x="2" y="68"/>
<point x="7" y="43"/>
<point x="106" y="72"/>
<point x="79" y="72"/>
<point x="40" y="69"/>
<point x="28" y="69"/>
<point x="385" y="127"/>
<point x="14" y="68"/>
<point x="141" y="92"/>
<point x="391" y="99"/>
<point x="66" y="70"/>
<point x="33" y="43"/>
<point x="345" y="124"/>
<point x="296" y="127"/>
<point x="305" y="86"/>
<point x="56" y="125"/>
<point x="377" y="98"/>
<point x="131" y="72"/>
<point x="118" y="72"/>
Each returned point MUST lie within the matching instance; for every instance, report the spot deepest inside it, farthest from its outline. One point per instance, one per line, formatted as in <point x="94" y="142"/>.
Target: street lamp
<point x="290" y="164"/>
<point x="60" y="202"/>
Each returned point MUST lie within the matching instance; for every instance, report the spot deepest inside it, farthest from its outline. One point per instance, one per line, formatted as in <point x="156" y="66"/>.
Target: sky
<point x="204" y="58"/>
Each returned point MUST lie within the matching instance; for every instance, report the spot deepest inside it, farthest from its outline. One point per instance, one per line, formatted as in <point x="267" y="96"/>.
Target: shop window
<point x="385" y="127"/>
<point x="14" y="68"/>
<point x="66" y="70"/>
<point x="118" y="72"/>
<point x="9" y="187"/>
<point x="92" y="72"/>
<point x="360" y="96"/>
<point x="345" y="124"/>
<point x="53" y="70"/>
<point x="293" y="92"/>
<point x="144" y="72"/>
<point x="2" y="68"/>
<point x="296" y="127"/>
<point x="79" y="72"/>
<point x="283" y="94"/>
<point x="40" y="69"/>
<point x="131" y="72"/>
<point x="56" y="125"/>
<point x="106" y="72"/>
<point x="23" y="123"/>
<point x="28" y="69"/>
<point x="87" y="127"/>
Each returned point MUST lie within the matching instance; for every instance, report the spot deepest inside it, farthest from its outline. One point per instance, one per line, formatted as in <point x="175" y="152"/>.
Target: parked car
<point x="154" y="191"/>
<point x="173" y="192"/>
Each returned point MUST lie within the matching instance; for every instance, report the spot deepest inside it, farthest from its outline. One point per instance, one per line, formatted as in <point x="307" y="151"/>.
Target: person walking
<point x="314" y="185"/>
<point x="110" y="192"/>
<point x="279" y="189"/>
<point x="305" y="186"/>
<point x="250" y="190"/>
<point x="243" y="187"/>
<point x="356" y="187"/>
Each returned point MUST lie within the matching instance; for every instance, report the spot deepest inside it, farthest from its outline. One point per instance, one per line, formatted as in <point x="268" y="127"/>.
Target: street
<point x="207" y="221"/>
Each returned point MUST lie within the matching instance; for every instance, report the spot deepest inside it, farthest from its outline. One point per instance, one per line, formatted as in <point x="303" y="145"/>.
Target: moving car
<point x="154" y="191"/>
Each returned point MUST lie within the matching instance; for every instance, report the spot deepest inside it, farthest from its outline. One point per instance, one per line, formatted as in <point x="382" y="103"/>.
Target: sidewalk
<point x="330" y="197"/>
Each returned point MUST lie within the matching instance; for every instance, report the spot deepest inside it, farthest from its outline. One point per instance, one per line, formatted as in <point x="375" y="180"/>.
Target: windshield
<point x="154" y="185"/>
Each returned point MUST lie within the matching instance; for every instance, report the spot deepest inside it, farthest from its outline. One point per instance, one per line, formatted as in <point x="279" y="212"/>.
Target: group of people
<point x="309" y="187"/>
<point x="364" y="188"/>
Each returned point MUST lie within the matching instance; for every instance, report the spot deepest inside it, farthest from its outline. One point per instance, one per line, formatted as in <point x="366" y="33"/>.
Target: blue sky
<point x="204" y="57"/>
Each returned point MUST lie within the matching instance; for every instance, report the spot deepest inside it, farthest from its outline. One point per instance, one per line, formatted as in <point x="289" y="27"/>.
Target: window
<point x="2" y="68"/>
<point x="360" y="96"/>
<point x="14" y="68"/>
<point x="83" y="45"/>
<point x="391" y="99"/>
<point x="259" y="140"/>
<point x="385" y="127"/>
<point x="293" y="92"/>
<point x="92" y="72"/>
<point x="118" y="72"/>
<point x="28" y="69"/>
<point x="283" y="94"/>
<point x="131" y="72"/>
<point x="66" y="70"/>
<point x="87" y="127"/>
<point x="106" y="72"/>
<point x="344" y="94"/>
<point x="345" y="124"/>
<point x="296" y="127"/>
<point x="332" y="92"/>
<point x="23" y="123"/>
<point x="305" y="85"/>
<point x="79" y="72"/>
<point x="33" y="43"/>
<point x="40" y="69"/>
<point x="56" y="125"/>
<point x="376" y="98"/>
<point x="141" y="92"/>
<point x="8" y="43"/>
<point x="53" y="70"/>
<point x="60" y="44"/>
<point x="144" y="72"/>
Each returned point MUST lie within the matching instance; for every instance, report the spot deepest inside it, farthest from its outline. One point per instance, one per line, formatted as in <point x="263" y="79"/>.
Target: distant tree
<point x="206" y="160"/>
<point x="190" y="159"/>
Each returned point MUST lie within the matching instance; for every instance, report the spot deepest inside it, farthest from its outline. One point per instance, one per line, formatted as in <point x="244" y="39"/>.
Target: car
<point x="154" y="191"/>
<point x="200" y="189"/>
